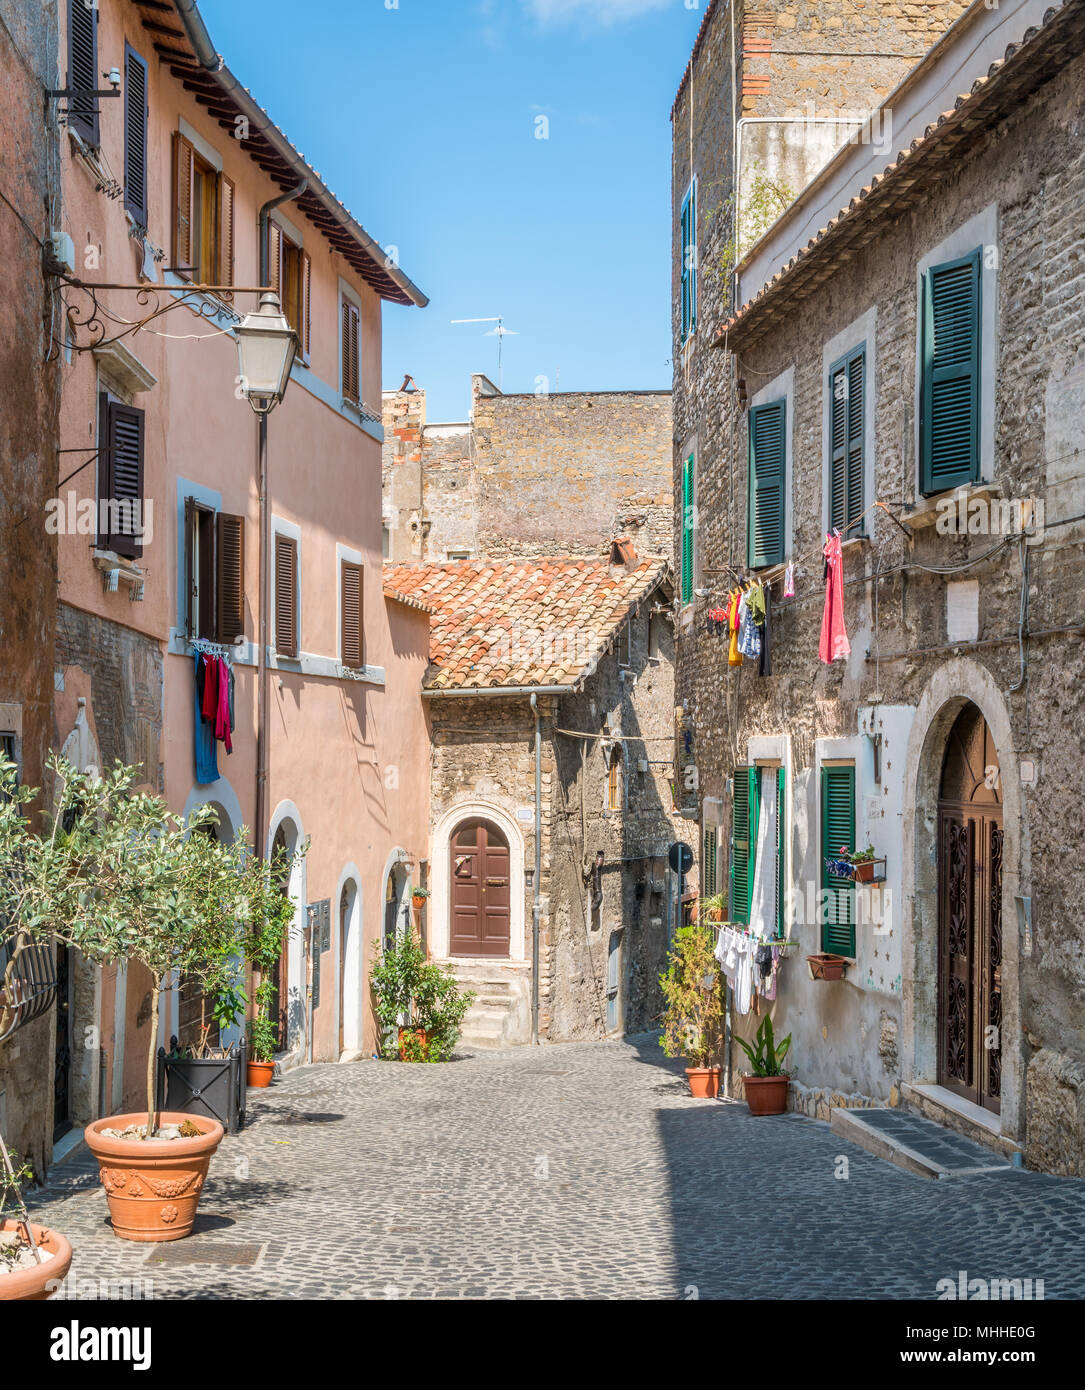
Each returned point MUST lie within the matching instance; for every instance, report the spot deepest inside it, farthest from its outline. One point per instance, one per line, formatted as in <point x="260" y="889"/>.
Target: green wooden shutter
<point x="780" y="842"/>
<point x="846" y="426"/>
<point x="951" y="372"/>
<point x="741" y="865"/>
<point x="837" y="832"/>
<point x="709" y="844"/>
<point x="687" y="530"/>
<point x="766" y="484"/>
<point x="689" y="261"/>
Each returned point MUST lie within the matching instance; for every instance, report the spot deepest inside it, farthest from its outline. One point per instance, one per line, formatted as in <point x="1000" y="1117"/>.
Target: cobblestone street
<point x="581" y="1170"/>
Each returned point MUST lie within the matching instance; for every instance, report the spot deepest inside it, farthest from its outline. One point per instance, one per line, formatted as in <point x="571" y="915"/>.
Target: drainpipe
<point x="535" y="912"/>
<point x="265" y="549"/>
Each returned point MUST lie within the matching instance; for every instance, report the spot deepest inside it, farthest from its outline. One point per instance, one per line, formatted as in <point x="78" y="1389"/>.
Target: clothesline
<point x="201" y="644"/>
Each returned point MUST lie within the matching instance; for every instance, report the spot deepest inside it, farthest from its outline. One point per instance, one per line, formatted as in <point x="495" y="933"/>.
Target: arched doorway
<point x="480" y="898"/>
<point x="970" y="913"/>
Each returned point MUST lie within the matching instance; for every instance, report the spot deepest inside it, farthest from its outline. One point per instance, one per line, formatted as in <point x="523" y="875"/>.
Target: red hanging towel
<point x="222" y="712"/>
<point x="834" y="644"/>
<point x="209" y="708"/>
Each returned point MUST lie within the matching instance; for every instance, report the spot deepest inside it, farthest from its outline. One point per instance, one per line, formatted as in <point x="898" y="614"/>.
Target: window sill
<point x="324" y="668"/>
<point x="928" y="510"/>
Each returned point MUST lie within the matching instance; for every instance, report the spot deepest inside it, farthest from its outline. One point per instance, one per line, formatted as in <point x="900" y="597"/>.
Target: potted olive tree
<point x="693" y="1016"/>
<point x="118" y="876"/>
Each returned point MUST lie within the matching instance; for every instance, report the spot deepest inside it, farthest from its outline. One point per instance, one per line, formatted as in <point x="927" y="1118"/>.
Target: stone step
<point x="915" y="1143"/>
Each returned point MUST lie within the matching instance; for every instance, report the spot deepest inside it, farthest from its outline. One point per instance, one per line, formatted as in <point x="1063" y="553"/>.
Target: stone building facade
<point x="560" y="669"/>
<point x="948" y="738"/>
<point x="547" y="474"/>
<point x="30" y="325"/>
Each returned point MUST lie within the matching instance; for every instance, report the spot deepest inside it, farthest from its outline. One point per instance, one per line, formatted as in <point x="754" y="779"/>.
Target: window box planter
<point x="209" y="1086"/>
<point x="826" y="966"/>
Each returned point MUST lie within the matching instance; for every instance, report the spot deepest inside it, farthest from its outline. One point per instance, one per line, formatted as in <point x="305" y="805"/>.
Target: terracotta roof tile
<point x="538" y="622"/>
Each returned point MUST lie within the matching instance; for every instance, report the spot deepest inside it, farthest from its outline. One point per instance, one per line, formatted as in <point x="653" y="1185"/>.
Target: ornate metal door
<point x="970" y="914"/>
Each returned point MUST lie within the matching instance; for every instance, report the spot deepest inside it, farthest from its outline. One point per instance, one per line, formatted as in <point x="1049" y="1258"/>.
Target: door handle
<point x="496" y="882"/>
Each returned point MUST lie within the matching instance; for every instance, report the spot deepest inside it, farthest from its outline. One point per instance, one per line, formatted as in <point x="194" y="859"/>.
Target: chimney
<point x="623" y="556"/>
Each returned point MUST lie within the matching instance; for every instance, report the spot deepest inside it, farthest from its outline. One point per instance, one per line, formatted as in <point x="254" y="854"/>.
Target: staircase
<point x="501" y="1013"/>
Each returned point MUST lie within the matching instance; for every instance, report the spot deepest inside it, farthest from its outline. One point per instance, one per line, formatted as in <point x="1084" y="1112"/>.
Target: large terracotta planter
<point x="260" y="1073"/>
<point x="153" y="1185"/>
<point x="420" y="1034"/>
<point x="704" y="1082"/>
<point x="36" y="1283"/>
<point x="766" y="1095"/>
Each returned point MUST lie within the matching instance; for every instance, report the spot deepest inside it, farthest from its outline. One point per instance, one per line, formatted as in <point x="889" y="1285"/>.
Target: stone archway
<point x="955" y="685"/>
<point x="440" y="856"/>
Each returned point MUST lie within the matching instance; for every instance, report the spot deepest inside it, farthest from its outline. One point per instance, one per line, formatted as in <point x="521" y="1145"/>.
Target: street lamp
<point x="266" y="345"/>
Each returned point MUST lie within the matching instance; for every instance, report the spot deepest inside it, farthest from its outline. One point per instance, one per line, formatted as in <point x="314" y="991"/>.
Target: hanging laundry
<point x="734" y="656"/>
<point x="755" y="602"/>
<point x="834" y="644"/>
<point x="749" y="638"/>
<point x="789" y="582"/>
<point x="768" y="981"/>
<point x="765" y="668"/>
<point x="206" y="755"/>
<point x="223" y="723"/>
<point x="210" y="701"/>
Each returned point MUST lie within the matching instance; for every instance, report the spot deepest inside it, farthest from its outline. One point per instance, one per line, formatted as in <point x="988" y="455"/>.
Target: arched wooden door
<point x="970" y="914"/>
<point x="480" y="892"/>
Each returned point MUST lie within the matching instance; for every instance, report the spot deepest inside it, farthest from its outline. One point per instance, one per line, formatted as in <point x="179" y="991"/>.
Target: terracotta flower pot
<point x="864" y="872"/>
<point x="36" y="1283"/>
<point x="826" y="966"/>
<point x="766" y="1095"/>
<point x="259" y="1073"/>
<point x="420" y="1034"/>
<point x="153" y="1185"/>
<point x="418" y="902"/>
<point x="704" y="1082"/>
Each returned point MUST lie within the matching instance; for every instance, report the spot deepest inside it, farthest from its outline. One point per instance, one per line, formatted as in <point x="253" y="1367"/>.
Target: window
<point x="614" y="780"/>
<point x="688" y="518"/>
<point x="623" y="643"/>
<point x="120" y="477"/>
<point x="214" y="573"/>
<point x="286" y="596"/>
<point x="846" y="426"/>
<point x="352" y="352"/>
<point x="135" y="136"/>
<point x="203" y="217"/>
<point x="950" y="363"/>
<point x="290" y="272"/>
<point x="709" y="849"/>
<point x="8" y="750"/>
<point x="83" y="69"/>
<point x="452" y="554"/>
<point x="768" y="464"/>
<point x="350" y="609"/>
<point x="837" y="832"/>
<point x="751" y="789"/>
<point x="689" y="261"/>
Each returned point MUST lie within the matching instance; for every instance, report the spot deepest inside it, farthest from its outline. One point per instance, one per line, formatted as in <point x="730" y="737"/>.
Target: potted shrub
<point x="766" y="1086"/>
<point x="269" y="916"/>
<point x="418" y="1003"/>
<point x="118" y="876"/>
<point x="693" y="1016"/>
<point x="263" y="1037"/>
<point x="713" y="909"/>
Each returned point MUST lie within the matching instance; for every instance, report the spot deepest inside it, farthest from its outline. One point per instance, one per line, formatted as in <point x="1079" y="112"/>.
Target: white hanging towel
<point x="763" y="904"/>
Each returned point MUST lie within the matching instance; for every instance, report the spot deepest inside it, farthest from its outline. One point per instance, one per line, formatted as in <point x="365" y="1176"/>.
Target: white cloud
<point x="601" y="12"/>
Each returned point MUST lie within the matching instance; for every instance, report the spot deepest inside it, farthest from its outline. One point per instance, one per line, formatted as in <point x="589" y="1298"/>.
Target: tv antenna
<point x="500" y="332"/>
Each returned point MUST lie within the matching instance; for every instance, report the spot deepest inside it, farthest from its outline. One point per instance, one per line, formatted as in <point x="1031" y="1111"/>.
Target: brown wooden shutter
<point x="229" y="576"/>
<point x="135" y="135"/>
<point x="352" y="387"/>
<point x="350" y="587"/>
<point x="105" y="458"/>
<point x="184" y="169"/>
<point x="286" y="595"/>
<point x="124" y="498"/>
<point x="226" y="231"/>
<point x="305" y="275"/>
<point x="83" y="69"/>
<point x="275" y="258"/>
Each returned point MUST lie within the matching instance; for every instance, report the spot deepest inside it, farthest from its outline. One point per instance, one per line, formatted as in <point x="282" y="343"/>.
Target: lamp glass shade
<point x="266" y="345"/>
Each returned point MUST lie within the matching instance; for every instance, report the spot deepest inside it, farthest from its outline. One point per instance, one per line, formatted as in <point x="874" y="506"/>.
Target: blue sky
<point x="422" y="118"/>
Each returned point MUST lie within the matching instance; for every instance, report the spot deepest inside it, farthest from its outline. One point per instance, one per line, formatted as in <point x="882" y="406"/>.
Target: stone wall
<point x="28" y="476"/>
<point x="909" y="666"/>
<point x="560" y="474"/>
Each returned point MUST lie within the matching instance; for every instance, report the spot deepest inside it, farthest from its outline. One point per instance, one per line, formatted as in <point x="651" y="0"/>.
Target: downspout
<point x="537" y="905"/>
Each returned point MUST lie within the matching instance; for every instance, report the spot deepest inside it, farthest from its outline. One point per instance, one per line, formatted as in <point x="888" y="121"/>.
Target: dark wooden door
<point x="62" y="1066"/>
<point x="481" y="895"/>
<point x="970" y="915"/>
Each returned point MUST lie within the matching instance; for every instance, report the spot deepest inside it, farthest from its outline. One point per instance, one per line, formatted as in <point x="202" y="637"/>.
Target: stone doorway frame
<point x="959" y="682"/>
<point x="441" y="899"/>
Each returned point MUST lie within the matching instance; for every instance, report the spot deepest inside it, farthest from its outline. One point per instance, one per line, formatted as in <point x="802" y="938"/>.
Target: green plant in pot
<point x="862" y="861"/>
<point x="420" y="1007"/>
<point x="766" y="1086"/>
<point x="116" y="875"/>
<point x="269" y="915"/>
<point x="693" y="1016"/>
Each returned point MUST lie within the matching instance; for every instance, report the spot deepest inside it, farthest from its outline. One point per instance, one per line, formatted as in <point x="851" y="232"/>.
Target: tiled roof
<point x="532" y="622"/>
<point x="408" y="600"/>
<point x="1041" y="53"/>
